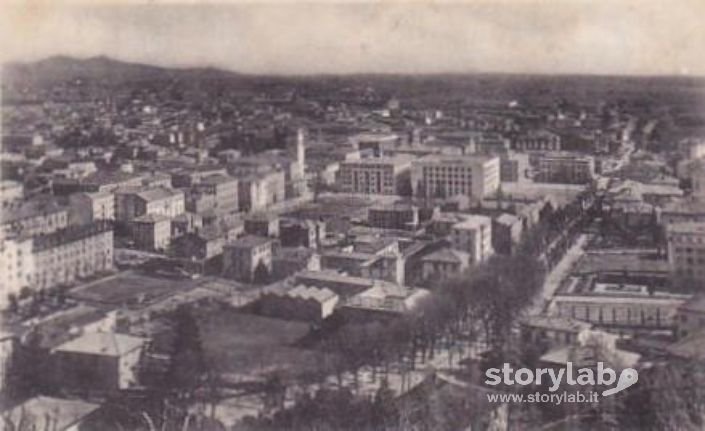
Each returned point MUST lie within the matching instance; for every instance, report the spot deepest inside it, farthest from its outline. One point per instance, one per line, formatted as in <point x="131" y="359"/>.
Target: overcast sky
<point x="546" y="36"/>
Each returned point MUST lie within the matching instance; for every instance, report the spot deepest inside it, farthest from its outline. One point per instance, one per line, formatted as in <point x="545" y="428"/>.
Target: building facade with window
<point x="447" y="176"/>
<point x="686" y="249"/>
<point x="375" y="176"/>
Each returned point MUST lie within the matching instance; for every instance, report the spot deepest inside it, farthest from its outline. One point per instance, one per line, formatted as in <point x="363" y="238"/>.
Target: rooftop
<point x="472" y="221"/>
<point x="400" y="160"/>
<point x="508" y="219"/>
<point x="447" y="255"/>
<point x="314" y="293"/>
<point x="102" y="343"/>
<point x="555" y="322"/>
<point x="456" y="160"/>
<point x="64" y="413"/>
<point x="217" y="179"/>
<point x="627" y="263"/>
<point x="687" y="228"/>
<point x="103" y="177"/>
<point x="158" y="193"/>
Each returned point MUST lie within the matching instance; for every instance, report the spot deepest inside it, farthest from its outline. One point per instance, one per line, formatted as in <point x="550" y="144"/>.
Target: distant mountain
<point x="63" y="68"/>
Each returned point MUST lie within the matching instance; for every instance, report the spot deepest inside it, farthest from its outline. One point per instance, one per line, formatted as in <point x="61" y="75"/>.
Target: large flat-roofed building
<point x="474" y="236"/>
<point x="135" y="202"/>
<point x="686" y="249"/>
<point x="447" y="176"/>
<point x="621" y="312"/>
<point x="76" y="251"/>
<point x="565" y="168"/>
<point x="375" y="176"/>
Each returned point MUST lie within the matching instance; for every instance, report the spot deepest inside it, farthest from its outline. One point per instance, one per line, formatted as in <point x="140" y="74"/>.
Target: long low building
<point x="621" y="313"/>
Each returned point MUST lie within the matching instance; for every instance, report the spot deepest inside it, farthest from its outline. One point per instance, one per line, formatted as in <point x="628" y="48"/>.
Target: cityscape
<point x="199" y="248"/>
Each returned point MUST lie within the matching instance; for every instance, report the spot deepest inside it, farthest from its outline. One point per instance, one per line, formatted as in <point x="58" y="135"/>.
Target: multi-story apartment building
<point x="16" y="265"/>
<point x="447" y="176"/>
<point x="76" y="251"/>
<point x="474" y="236"/>
<point x="88" y="207"/>
<point x="134" y="202"/>
<point x="376" y="176"/>
<point x="563" y="168"/>
<point x="223" y="187"/>
<point x="686" y="249"/>
<point x="242" y="257"/>
<point x="33" y="217"/>
<point x="151" y="232"/>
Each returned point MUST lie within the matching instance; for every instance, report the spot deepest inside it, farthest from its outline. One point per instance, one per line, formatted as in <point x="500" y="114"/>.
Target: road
<point x="556" y="276"/>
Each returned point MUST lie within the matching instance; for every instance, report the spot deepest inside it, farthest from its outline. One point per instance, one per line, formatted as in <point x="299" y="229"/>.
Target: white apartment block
<point x="16" y="266"/>
<point x="60" y="257"/>
<point x="447" y="176"/>
<point x="474" y="236"/>
<point x="374" y="176"/>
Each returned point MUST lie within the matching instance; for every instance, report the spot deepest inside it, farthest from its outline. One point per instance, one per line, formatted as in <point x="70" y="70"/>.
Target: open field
<point x="129" y="287"/>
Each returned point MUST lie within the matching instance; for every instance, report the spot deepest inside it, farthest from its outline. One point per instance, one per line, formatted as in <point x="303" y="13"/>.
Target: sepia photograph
<point x="352" y="215"/>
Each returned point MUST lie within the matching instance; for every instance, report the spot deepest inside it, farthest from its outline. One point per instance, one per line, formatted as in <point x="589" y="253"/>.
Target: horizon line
<point x="227" y="69"/>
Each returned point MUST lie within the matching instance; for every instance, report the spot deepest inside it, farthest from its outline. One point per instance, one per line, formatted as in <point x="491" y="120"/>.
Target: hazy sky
<point x="550" y="36"/>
